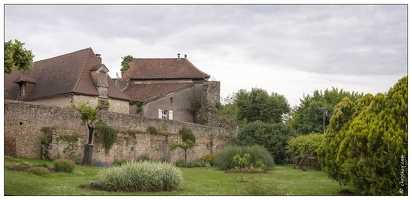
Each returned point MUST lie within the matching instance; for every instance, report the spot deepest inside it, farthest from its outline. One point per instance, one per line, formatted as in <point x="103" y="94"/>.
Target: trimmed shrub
<point x="39" y="170"/>
<point x="140" y="176"/>
<point x="258" y="154"/>
<point x="302" y="145"/>
<point x="63" y="165"/>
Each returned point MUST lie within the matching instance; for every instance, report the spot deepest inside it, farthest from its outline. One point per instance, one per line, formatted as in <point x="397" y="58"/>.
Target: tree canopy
<point x="308" y="116"/>
<point x="273" y="137"/>
<point x="258" y="105"/>
<point x="17" y="57"/>
<point x="125" y="63"/>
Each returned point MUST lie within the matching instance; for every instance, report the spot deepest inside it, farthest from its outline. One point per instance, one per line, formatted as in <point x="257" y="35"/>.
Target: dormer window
<point x="102" y="79"/>
<point x="26" y="84"/>
<point x="23" y="89"/>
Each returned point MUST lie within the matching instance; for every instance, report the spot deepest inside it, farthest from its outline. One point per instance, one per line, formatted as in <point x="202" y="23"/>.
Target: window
<point x="23" y="89"/>
<point x="166" y="114"/>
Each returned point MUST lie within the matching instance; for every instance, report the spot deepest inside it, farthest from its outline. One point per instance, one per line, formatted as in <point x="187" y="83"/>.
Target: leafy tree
<point x="367" y="145"/>
<point x="90" y="116"/>
<point x="15" y="56"/>
<point x="188" y="141"/>
<point x="259" y="105"/>
<point x="272" y="137"/>
<point x="308" y="116"/>
<point x="303" y="146"/>
<point x="125" y="63"/>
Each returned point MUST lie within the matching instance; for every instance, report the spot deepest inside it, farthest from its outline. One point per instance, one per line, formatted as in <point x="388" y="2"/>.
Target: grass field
<point x="196" y="181"/>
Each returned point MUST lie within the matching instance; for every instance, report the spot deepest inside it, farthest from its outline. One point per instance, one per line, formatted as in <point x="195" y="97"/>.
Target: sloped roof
<point x="163" y="68"/>
<point x="146" y="92"/>
<point x="69" y="73"/>
<point x="23" y="78"/>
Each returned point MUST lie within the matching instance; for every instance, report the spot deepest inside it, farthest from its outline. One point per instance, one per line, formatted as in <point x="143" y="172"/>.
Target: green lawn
<point x="196" y="181"/>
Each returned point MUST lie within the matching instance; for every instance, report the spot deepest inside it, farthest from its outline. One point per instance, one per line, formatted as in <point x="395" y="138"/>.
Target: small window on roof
<point x="23" y="89"/>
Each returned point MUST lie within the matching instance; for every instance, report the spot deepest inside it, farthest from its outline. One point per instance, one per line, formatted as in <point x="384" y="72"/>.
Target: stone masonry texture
<point x="23" y="122"/>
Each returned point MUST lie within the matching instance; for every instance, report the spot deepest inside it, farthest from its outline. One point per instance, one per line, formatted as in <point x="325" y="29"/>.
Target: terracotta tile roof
<point x="69" y="73"/>
<point x="146" y="92"/>
<point x="162" y="68"/>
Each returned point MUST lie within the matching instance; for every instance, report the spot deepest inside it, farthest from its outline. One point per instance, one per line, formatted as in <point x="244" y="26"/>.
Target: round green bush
<point x="258" y="154"/>
<point x="63" y="165"/>
<point x="140" y="176"/>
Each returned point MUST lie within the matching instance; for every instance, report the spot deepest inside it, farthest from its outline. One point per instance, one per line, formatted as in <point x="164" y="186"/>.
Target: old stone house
<point x="75" y="77"/>
<point x="168" y="88"/>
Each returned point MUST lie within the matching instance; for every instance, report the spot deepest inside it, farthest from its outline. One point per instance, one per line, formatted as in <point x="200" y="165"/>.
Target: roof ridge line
<point x="198" y="68"/>
<point x="82" y="70"/>
<point x="63" y="54"/>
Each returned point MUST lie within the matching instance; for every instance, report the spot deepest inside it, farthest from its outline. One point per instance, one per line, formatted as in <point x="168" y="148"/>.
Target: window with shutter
<point x="160" y="114"/>
<point x="170" y="114"/>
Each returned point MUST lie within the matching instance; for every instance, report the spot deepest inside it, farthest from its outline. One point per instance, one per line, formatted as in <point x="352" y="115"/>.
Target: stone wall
<point x="207" y="114"/>
<point x="23" y="122"/>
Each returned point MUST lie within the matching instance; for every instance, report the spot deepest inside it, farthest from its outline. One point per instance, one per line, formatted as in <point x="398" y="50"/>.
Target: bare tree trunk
<point x="88" y="154"/>
<point x="88" y="147"/>
<point x="185" y="157"/>
<point x="302" y="161"/>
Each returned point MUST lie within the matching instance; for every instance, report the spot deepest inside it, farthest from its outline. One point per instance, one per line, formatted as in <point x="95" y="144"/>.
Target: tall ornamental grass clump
<point x="140" y="176"/>
<point x="258" y="154"/>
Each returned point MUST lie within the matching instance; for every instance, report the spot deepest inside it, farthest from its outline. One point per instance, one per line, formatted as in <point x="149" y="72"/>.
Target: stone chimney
<point x="185" y="55"/>
<point x="178" y="56"/>
<point x="99" y="57"/>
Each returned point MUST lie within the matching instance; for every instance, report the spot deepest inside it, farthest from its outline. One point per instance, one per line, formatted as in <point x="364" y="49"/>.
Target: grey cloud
<point x="332" y="39"/>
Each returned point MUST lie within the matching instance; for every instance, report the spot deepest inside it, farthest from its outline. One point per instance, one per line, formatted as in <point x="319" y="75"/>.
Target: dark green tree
<point x="273" y="137"/>
<point x="258" y="105"/>
<point x="17" y="57"/>
<point x="308" y="116"/>
<point x="125" y="63"/>
<point x="366" y="144"/>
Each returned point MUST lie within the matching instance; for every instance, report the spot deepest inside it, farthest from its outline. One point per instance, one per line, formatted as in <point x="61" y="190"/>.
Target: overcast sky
<point x="287" y="49"/>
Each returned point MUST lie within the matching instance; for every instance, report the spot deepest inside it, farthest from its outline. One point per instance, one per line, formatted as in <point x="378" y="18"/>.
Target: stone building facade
<point x="166" y="88"/>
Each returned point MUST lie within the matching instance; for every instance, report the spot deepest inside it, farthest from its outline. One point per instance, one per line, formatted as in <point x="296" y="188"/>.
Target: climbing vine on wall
<point x="71" y="140"/>
<point x="105" y="135"/>
<point x="46" y="140"/>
